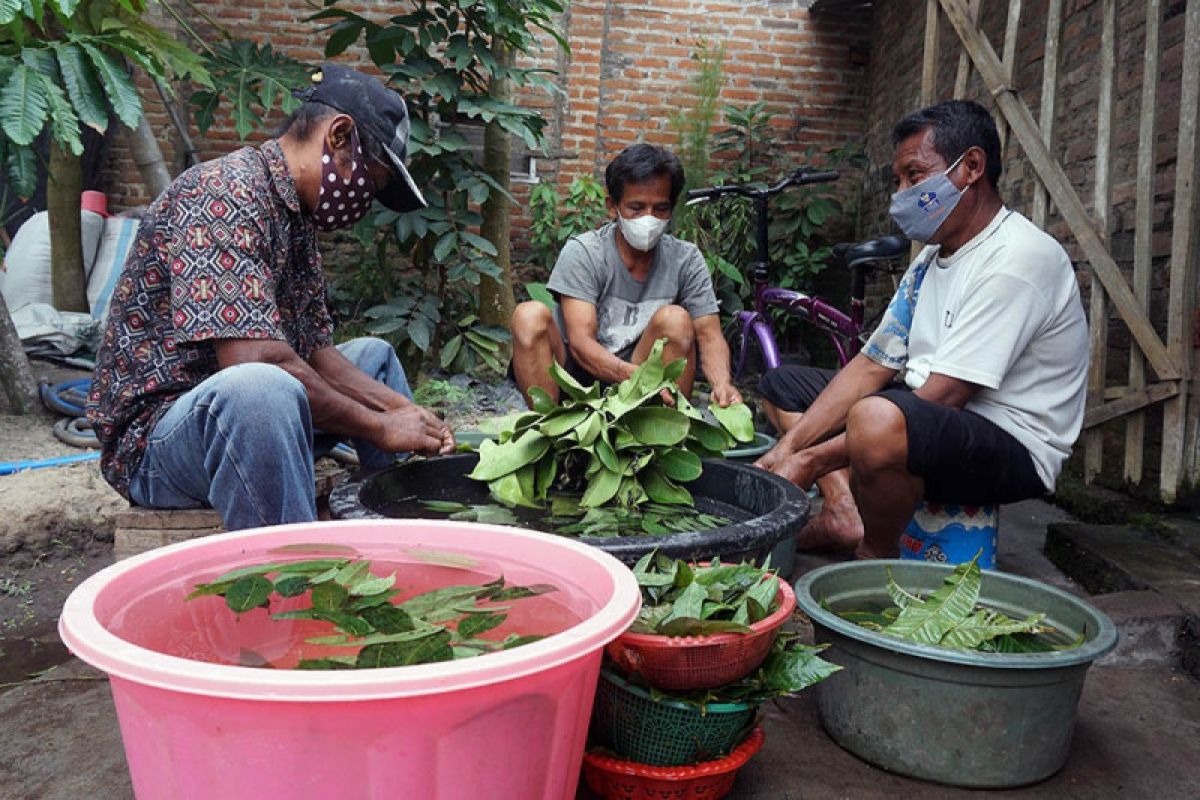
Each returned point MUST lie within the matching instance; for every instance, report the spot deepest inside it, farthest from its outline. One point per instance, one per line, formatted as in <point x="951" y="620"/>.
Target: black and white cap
<point x="378" y="111"/>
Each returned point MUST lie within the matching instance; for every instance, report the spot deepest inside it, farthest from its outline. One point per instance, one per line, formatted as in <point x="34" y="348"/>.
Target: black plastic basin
<point x="775" y="508"/>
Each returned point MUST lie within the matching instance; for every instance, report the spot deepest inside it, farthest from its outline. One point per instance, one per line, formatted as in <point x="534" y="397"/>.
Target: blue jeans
<point x="243" y="442"/>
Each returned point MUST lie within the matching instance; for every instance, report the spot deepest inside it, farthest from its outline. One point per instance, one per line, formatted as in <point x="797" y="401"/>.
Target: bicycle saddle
<point x="881" y="249"/>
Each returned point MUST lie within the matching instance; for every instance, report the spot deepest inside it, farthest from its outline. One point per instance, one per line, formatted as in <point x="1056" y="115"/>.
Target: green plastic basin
<point x="752" y="451"/>
<point x="973" y="719"/>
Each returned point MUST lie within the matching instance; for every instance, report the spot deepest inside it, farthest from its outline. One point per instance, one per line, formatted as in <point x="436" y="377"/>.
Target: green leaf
<point x="475" y="624"/>
<point x="9" y="11"/>
<point x="542" y="403"/>
<point x="656" y="426"/>
<point x="329" y="597"/>
<point x="429" y="649"/>
<point x="687" y="626"/>
<point x="23" y="105"/>
<point x="450" y="350"/>
<point x="500" y="460"/>
<point x="63" y="122"/>
<point x="602" y="488"/>
<point x="796" y="667"/>
<point x="680" y="465"/>
<point x="660" y="488"/>
<point x="561" y="420"/>
<point x="479" y="243"/>
<point x="122" y="94"/>
<point x="735" y="418"/>
<point x="388" y="619"/>
<point x="83" y="87"/>
<point x="22" y="170"/>
<point x="950" y="605"/>
<point x="539" y="292"/>
<point x="373" y="585"/>
<point x="291" y="585"/>
<point x="249" y="592"/>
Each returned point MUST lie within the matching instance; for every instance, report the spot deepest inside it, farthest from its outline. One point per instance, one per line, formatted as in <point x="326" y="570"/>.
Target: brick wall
<point x="627" y="72"/>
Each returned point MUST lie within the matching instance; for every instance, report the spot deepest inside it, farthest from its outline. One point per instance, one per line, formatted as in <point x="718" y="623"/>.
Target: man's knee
<point x="876" y="435"/>
<point x="531" y="321"/>
<point x="674" y="322"/>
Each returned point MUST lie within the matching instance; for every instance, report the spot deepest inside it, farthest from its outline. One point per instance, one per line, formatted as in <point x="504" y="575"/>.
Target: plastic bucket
<point x="952" y="534"/>
<point x="754" y="450"/>
<point x="964" y="718"/>
<point x="504" y="725"/>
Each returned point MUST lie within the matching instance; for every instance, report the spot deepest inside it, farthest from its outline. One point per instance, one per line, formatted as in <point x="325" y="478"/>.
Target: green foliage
<point x="439" y="54"/>
<point x="694" y="124"/>
<point x="60" y="67"/>
<point x="621" y="446"/>
<point x="438" y="394"/>
<point x="438" y="625"/>
<point x="951" y="617"/>
<point x="554" y="219"/>
<point x="251" y="78"/>
<point x="679" y="599"/>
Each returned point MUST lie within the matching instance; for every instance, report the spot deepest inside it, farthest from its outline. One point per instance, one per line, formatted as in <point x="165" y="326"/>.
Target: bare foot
<point x="837" y="527"/>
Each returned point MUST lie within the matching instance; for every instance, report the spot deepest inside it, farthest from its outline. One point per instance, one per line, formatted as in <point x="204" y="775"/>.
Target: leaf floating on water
<point x="249" y="592"/>
<point x="442" y="558"/>
<point x="315" y="547"/>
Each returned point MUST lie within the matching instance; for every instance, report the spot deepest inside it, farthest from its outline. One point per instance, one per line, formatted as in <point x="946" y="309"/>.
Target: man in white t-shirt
<point x="971" y="390"/>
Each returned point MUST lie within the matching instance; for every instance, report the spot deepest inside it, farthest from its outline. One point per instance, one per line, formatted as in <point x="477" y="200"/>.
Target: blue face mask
<point x="921" y="209"/>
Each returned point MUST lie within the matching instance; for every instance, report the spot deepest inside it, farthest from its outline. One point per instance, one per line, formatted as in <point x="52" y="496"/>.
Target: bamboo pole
<point x="1135" y="424"/>
<point x="1061" y="192"/>
<point x="1012" y="30"/>
<point x="1049" y="101"/>
<point x="1185" y="261"/>
<point x="1093" y="442"/>
<point x="964" y="61"/>
<point x="929" y="64"/>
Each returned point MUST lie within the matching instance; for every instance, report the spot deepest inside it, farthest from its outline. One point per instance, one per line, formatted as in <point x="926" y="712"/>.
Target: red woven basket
<point x="682" y="663"/>
<point x="615" y="779"/>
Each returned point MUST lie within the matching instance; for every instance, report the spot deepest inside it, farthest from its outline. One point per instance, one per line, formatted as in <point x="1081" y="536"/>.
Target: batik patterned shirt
<point x="224" y="253"/>
<point x="888" y="345"/>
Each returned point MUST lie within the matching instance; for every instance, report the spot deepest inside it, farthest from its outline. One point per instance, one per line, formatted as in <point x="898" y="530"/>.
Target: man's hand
<point x="415" y="429"/>
<point x="724" y="395"/>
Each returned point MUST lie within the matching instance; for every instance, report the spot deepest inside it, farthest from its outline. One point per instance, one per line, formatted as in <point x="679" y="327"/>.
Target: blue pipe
<point x="65" y="397"/>
<point x="10" y="467"/>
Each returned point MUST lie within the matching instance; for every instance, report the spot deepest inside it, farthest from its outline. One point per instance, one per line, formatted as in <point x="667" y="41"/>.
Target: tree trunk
<point x="149" y="159"/>
<point x="496" y="298"/>
<point x="16" y="378"/>
<point x="67" y="278"/>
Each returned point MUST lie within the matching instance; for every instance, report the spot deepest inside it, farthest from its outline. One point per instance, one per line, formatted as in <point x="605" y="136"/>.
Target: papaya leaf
<point x="660" y="489"/>
<point x="680" y="465"/>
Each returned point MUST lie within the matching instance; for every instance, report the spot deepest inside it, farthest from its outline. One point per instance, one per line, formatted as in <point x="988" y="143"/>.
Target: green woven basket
<point x="664" y="733"/>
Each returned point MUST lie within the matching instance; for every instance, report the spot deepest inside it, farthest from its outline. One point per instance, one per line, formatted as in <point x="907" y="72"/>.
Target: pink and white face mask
<point x="341" y="202"/>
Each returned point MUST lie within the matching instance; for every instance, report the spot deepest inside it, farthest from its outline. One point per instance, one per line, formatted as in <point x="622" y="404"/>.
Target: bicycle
<point x="845" y="331"/>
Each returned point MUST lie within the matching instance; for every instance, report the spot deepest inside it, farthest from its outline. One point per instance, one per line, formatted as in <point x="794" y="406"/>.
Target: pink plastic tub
<point x="503" y="725"/>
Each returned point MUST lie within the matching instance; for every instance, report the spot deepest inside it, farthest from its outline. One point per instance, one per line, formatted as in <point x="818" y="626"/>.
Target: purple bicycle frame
<point x="843" y="330"/>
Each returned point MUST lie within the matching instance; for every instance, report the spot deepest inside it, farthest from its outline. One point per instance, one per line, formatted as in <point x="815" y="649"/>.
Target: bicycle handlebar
<point x="797" y="178"/>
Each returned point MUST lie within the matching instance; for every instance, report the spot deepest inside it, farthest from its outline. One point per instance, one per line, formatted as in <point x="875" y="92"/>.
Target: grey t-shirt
<point x="590" y="268"/>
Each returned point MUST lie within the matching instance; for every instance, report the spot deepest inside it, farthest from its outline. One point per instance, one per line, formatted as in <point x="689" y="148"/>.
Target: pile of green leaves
<point x="439" y="625"/>
<point x="679" y="599"/>
<point x="952" y="617"/>
<point x="567" y="518"/>
<point x="789" y="668"/>
<point x="622" y="445"/>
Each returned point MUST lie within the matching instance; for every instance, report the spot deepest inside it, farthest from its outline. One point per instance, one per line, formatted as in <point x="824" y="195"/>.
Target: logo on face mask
<point x="928" y="202"/>
<point x="341" y="202"/>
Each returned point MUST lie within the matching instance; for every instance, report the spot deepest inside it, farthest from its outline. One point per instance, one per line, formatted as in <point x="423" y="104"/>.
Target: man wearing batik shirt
<point x="217" y="381"/>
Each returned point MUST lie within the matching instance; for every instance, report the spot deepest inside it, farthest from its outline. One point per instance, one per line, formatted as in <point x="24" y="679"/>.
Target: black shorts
<point x="962" y="457"/>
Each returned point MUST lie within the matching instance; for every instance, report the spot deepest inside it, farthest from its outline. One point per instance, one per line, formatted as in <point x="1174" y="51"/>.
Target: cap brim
<point x="402" y="193"/>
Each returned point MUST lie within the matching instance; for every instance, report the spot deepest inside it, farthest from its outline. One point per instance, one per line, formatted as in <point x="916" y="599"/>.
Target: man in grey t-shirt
<point x="625" y="286"/>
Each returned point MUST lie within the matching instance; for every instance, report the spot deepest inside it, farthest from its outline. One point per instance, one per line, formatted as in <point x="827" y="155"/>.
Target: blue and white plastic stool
<point x="952" y="534"/>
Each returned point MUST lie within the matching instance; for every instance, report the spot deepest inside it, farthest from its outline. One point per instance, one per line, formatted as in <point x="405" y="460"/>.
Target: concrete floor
<point x="1137" y="733"/>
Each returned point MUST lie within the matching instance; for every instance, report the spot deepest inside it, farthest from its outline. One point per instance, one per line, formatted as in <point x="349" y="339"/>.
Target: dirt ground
<point x="56" y="523"/>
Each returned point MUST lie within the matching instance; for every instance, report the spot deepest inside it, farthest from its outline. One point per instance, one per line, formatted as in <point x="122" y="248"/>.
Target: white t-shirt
<point x="1003" y="312"/>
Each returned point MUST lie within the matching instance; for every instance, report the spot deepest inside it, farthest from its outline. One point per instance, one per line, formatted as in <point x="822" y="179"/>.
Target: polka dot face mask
<point x="341" y="202"/>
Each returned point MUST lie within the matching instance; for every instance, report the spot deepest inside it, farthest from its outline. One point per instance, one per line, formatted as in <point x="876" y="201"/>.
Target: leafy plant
<point x="253" y="78"/>
<point x="554" y="219"/>
<point x="790" y="667"/>
<point x="693" y="123"/>
<point x="440" y="55"/>
<point x="679" y="599"/>
<point x="439" y="625"/>
<point x="622" y="445"/>
<point x="567" y="518"/>
<point x="61" y="67"/>
<point x="951" y="617"/>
